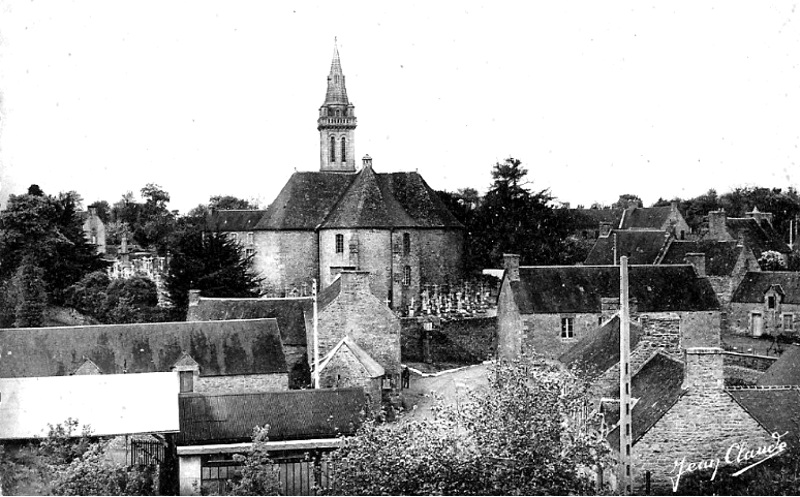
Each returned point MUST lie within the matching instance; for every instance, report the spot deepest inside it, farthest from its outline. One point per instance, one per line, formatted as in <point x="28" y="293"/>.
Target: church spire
<point x="337" y="123"/>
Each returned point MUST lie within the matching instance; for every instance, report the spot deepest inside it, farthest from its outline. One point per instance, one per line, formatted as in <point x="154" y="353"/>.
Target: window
<point x="343" y="157"/>
<point x="406" y="275"/>
<point x="333" y="149"/>
<point x="771" y="302"/>
<point x="250" y="252"/>
<point x="788" y="322"/>
<point x="187" y="381"/>
<point x="340" y="244"/>
<point x="567" y="328"/>
<point x="683" y="235"/>
<point x="406" y="243"/>
<point x="250" y="238"/>
<point x="94" y="240"/>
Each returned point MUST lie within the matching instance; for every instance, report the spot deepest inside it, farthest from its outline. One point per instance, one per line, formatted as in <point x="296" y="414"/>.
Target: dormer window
<point x="187" y="381"/>
<point x="771" y="302"/>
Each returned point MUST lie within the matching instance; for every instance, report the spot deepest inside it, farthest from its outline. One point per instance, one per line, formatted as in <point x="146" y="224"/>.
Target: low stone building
<point x="303" y="424"/>
<point x="212" y="356"/>
<point x="766" y="302"/>
<point x="289" y="312"/>
<point x="348" y="308"/>
<point x="347" y="365"/>
<point x="548" y="309"/>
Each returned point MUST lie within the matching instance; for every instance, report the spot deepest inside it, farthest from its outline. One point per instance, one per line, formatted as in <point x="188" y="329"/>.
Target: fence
<point x="146" y="452"/>
<point x="295" y="477"/>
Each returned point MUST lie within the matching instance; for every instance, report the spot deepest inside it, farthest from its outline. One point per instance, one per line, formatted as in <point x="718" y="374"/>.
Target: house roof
<point x="641" y="247"/>
<point x="288" y="312"/>
<point x="760" y="237"/>
<point x="590" y="219"/>
<point x="756" y="283"/>
<point x="290" y="414"/>
<point x="329" y="294"/>
<point x="578" y="289"/>
<point x="234" y="220"/>
<point x="118" y="404"/>
<point x="785" y="371"/>
<point x="657" y="386"/>
<point x="374" y="369"/>
<point x="598" y="351"/>
<point x="774" y="409"/>
<point x="365" y="199"/>
<point x="237" y="347"/>
<point x="649" y="217"/>
<point x="721" y="256"/>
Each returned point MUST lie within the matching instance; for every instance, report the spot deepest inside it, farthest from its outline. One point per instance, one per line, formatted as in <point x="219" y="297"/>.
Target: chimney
<point x="698" y="260"/>
<point x="661" y="332"/>
<point x="354" y="283"/>
<point x="760" y="216"/>
<point x="674" y="205"/>
<point x="511" y="265"/>
<point x="609" y="306"/>
<point x="367" y="161"/>
<point x="194" y="298"/>
<point x="703" y="369"/>
<point x="605" y="229"/>
<point x="632" y="204"/>
<point x="716" y="225"/>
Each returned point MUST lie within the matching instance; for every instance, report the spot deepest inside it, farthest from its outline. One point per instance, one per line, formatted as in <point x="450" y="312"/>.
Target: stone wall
<point x="702" y="424"/>
<point x="344" y="371"/>
<point x="739" y="318"/>
<point x="542" y="332"/>
<point x="749" y="361"/>
<point x="465" y="341"/>
<point x="241" y="383"/>
<point x="285" y="259"/>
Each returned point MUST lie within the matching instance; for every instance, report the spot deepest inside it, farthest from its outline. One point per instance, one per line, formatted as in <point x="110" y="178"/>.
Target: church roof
<point x="365" y="199"/>
<point x="337" y="93"/>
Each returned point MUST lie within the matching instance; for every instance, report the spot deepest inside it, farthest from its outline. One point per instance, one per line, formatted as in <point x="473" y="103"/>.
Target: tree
<point x="31" y="298"/>
<point x="626" y="199"/>
<point x="771" y="260"/>
<point x="259" y="475"/>
<point x="228" y="202"/>
<point x="103" y="210"/>
<point x="512" y="439"/>
<point x="209" y="262"/>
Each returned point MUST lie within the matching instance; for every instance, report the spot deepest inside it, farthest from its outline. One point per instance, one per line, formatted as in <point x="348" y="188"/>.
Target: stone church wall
<point x="285" y="258"/>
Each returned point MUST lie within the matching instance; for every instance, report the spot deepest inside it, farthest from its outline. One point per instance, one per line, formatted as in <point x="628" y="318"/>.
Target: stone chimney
<point x="354" y="284"/>
<point x="511" y="265"/>
<point x="610" y="306"/>
<point x="698" y="260"/>
<point x="716" y="225"/>
<point x="605" y="229"/>
<point x="760" y="216"/>
<point x="367" y="161"/>
<point x="703" y="369"/>
<point x="194" y="298"/>
<point x="661" y="332"/>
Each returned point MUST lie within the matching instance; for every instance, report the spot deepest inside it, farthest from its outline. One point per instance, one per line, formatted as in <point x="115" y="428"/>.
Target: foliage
<point x="223" y="202"/>
<point x="771" y="260"/>
<point x="93" y="474"/>
<point x="515" y="438"/>
<point x="259" y="475"/>
<point x="103" y="210"/>
<point x="209" y="262"/>
<point x="27" y="289"/>
<point x="625" y="200"/>
<point x="150" y="224"/>
<point x="123" y="300"/>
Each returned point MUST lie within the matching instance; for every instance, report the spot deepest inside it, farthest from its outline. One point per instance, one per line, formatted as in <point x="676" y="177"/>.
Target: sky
<point x="597" y="99"/>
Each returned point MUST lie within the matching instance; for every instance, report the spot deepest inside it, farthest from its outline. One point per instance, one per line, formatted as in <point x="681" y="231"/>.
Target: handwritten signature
<point x="742" y="454"/>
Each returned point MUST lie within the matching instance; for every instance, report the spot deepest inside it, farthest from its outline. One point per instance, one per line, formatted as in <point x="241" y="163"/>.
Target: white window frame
<point x="567" y="327"/>
<point x="790" y="316"/>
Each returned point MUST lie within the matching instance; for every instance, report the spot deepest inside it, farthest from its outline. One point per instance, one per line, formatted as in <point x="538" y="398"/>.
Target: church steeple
<point x="336" y="123"/>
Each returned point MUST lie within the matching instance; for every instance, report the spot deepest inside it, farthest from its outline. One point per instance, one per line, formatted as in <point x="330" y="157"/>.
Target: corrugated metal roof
<point x="117" y="404"/>
<point x="291" y="415"/>
<point x="251" y="346"/>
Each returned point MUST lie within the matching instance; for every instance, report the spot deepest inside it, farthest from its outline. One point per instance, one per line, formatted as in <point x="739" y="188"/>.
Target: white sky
<point x="596" y="98"/>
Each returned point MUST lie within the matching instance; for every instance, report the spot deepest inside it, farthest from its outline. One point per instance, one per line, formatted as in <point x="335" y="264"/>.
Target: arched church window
<point x="333" y="149"/>
<point x="343" y="153"/>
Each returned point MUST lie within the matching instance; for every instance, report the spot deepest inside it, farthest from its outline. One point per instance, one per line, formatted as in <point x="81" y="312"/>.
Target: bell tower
<point x="336" y="124"/>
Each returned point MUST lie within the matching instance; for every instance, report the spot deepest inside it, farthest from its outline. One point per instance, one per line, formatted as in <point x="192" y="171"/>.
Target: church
<point x="392" y="225"/>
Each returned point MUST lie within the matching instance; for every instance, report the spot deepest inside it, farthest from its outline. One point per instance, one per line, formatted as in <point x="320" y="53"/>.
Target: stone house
<point x="756" y="230"/>
<point x="390" y="224"/>
<point x="94" y="229"/>
<point x="682" y="412"/>
<point x="289" y="312"/>
<point x="347" y="365"/>
<point x="211" y="356"/>
<point x="548" y="309"/>
<point x="303" y="424"/>
<point x="766" y="302"/>
<point x="349" y="309"/>
<point x="596" y="223"/>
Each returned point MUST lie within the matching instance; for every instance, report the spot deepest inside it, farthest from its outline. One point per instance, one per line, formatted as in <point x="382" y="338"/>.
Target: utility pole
<point x="625" y="435"/>
<point x="316" y="334"/>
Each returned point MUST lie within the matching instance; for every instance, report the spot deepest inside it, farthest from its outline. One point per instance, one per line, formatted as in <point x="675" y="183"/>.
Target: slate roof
<point x="649" y="217"/>
<point x="785" y="371"/>
<point x="288" y="312"/>
<point x="598" y="351"/>
<point x="234" y="220"/>
<point x="721" y="256"/>
<point x="756" y="283"/>
<point x="657" y="385"/>
<point x="290" y="414"/>
<point x="219" y="347"/>
<point x="759" y="237"/>
<point x="365" y="199"/>
<point x="777" y="410"/>
<point x="329" y="294"/>
<point x="590" y="219"/>
<point x="641" y="247"/>
<point x="374" y="369"/>
<point x="578" y="289"/>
